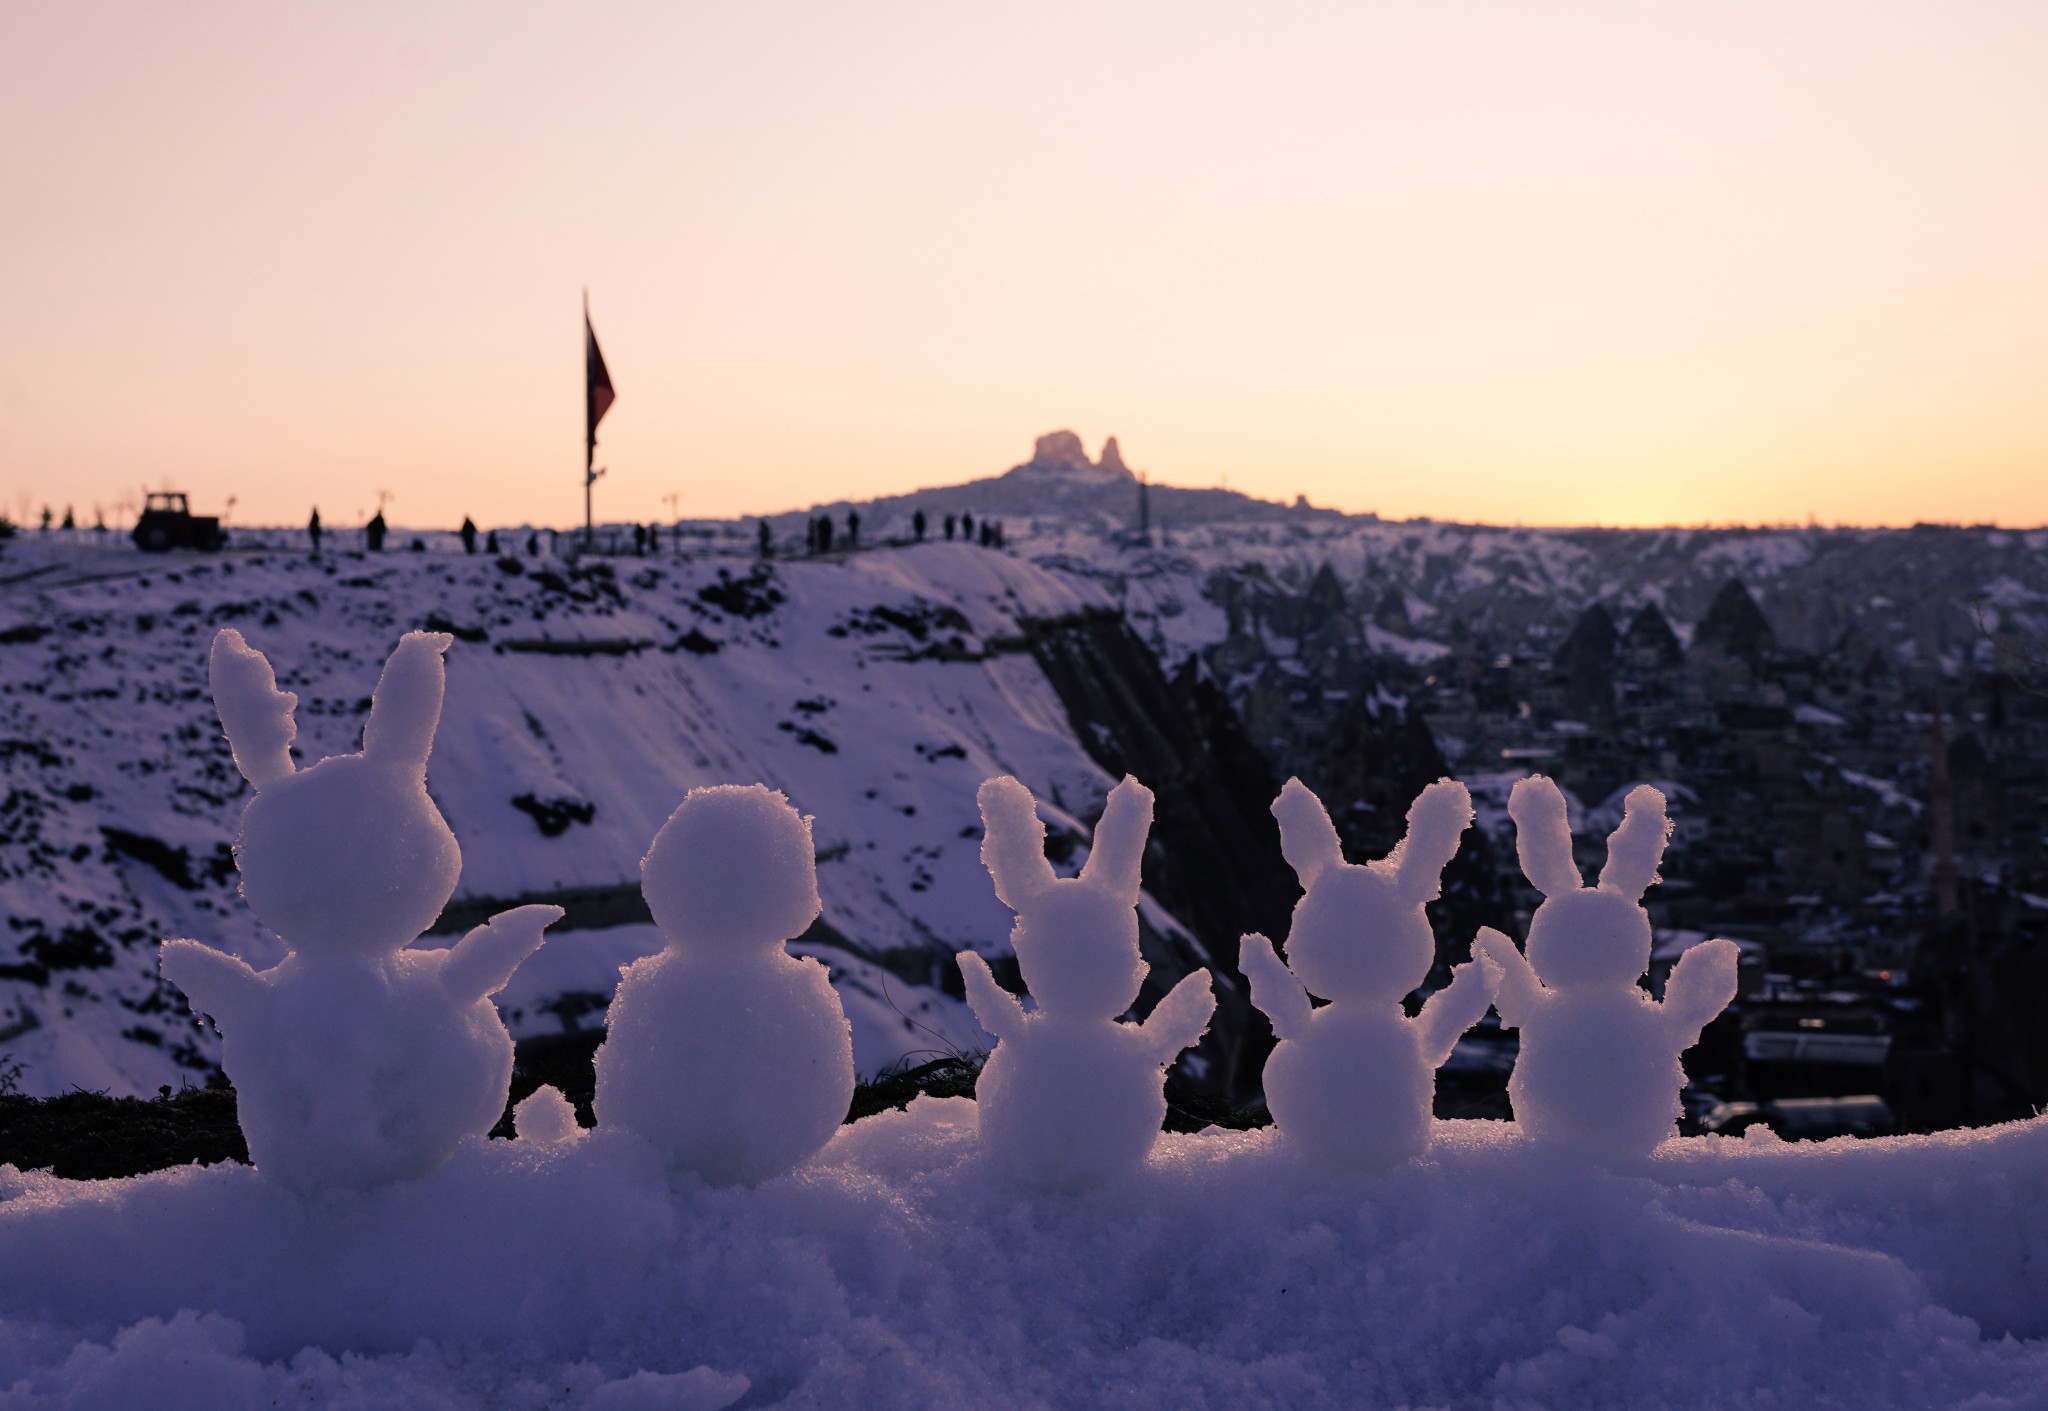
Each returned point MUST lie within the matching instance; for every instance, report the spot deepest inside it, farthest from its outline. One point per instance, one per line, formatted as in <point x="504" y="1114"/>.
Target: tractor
<point x="168" y="523"/>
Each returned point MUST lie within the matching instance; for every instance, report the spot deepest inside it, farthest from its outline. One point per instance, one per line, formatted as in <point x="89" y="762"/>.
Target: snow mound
<point x="892" y="1271"/>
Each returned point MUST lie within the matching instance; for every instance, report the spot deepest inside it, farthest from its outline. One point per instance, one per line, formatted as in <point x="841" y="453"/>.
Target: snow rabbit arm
<point x="1518" y="993"/>
<point x="1456" y="1007"/>
<point x="996" y="1009"/>
<point x="1274" y="988"/>
<point x="213" y="982"/>
<point x="1179" y="1021"/>
<point x="481" y="963"/>
<point x="1701" y="984"/>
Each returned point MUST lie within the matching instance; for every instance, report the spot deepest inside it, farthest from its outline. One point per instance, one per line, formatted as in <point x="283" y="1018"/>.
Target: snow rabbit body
<point x="355" y="1060"/>
<point x="1351" y="1084"/>
<point x="1071" y="1096"/>
<point x="1599" y="1066"/>
<point x="729" y="1055"/>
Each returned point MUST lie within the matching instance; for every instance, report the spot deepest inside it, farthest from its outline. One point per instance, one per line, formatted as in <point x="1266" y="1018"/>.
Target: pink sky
<point x="1562" y="263"/>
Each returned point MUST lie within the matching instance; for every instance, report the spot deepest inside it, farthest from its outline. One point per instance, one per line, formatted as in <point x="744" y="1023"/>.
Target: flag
<point x="597" y="382"/>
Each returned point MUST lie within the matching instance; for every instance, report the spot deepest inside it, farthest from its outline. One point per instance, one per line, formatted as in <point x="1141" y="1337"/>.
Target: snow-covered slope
<point x="899" y="1270"/>
<point x="878" y="691"/>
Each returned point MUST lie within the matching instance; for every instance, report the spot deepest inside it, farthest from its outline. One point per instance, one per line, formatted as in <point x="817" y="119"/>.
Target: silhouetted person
<point x="852" y="527"/>
<point x="917" y="526"/>
<point x="491" y="542"/>
<point x="967" y="527"/>
<point x="373" y="533"/>
<point x="952" y="522"/>
<point x="313" y="529"/>
<point x="468" y="532"/>
<point x="824" y="533"/>
<point x="533" y="544"/>
<point x="766" y="540"/>
<point x="999" y="533"/>
<point x="639" y="541"/>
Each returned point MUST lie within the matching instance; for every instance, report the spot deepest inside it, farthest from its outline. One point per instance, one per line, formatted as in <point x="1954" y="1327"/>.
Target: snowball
<point x="355" y="1061"/>
<point x="731" y="1057"/>
<point x="1071" y="1097"/>
<point x="546" y="1117"/>
<point x="1599" y="1064"/>
<point x="1351" y="1085"/>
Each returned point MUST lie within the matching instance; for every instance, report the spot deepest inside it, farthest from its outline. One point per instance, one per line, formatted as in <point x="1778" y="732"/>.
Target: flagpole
<point x="589" y="432"/>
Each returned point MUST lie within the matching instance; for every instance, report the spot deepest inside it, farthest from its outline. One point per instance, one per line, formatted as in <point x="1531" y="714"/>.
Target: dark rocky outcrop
<point x="1215" y="858"/>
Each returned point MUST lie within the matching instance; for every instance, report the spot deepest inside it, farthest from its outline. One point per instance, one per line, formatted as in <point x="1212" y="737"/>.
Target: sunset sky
<point x="1621" y="263"/>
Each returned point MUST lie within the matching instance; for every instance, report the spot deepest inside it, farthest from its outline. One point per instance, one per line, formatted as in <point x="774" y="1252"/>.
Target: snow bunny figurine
<point x="1351" y="1084"/>
<point x="1599" y="1065"/>
<point x="355" y="1060"/>
<point x="730" y="1056"/>
<point x="1071" y="1096"/>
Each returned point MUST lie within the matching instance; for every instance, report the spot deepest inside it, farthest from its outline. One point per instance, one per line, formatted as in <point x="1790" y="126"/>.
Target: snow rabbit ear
<point x="1637" y="846"/>
<point x="1308" y="840"/>
<point x="1117" y="854"/>
<point x="1436" y="821"/>
<point x="1013" y="842"/>
<point x="1543" y="836"/>
<point x="256" y="715"/>
<point x="407" y="704"/>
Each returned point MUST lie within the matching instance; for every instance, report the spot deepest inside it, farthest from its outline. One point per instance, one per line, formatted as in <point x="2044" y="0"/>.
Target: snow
<point x="892" y="1271"/>
<point x="355" y="1060"/>
<point x="730" y="1056"/>
<point x="1598" y="1069"/>
<point x="1350" y="1085"/>
<point x="1071" y="1097"/>
<point x="108" y="722"/>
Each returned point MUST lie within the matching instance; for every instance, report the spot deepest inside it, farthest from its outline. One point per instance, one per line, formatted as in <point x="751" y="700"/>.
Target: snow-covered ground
<point x="876" y="690"/>
<point x="897" y="1270"/>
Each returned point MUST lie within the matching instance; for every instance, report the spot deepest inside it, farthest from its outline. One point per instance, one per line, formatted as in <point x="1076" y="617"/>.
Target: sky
<point x="1623" y="263"/>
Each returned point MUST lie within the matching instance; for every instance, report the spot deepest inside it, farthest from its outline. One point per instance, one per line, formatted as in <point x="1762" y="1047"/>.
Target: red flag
<point x="597" y="381"/>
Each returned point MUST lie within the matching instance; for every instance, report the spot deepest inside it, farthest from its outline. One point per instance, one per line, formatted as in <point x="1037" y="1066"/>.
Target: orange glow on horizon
<point x="1588" y="264"/>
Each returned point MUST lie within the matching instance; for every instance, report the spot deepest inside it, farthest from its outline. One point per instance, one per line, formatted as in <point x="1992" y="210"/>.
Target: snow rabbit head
<point x="733" y="869"/>
<point x="1076" y="938"/>
<point x="349" y="855"/>
<point x="1360" y="933"/>
<point x="1580" y="935"/>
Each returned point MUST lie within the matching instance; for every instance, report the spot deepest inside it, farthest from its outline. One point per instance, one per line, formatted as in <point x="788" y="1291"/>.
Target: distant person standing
<point x="491" y="542"/>
<point x="373" y="533"/>
<point x="917" y="526"/>
<point x="313" y="529"/>
<point x="766" y="540"/>
<point x="967" y="527"/>
<point x="824" y="533"/>
<point x="533" y="544"/>
<point x="639" y="541"/>
<point x="468" y="533"/>
<point x="952" y="522"/>
<point x="852" y="528"/>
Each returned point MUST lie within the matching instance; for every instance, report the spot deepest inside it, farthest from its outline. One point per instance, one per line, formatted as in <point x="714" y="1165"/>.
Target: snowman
<point x="727" y="1054"/>
<point x="1071" y="1096"/>
<point x="1351" y="1084"/>
<point x="355" y="1060"/>
<point x="1599" y="1067"/>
